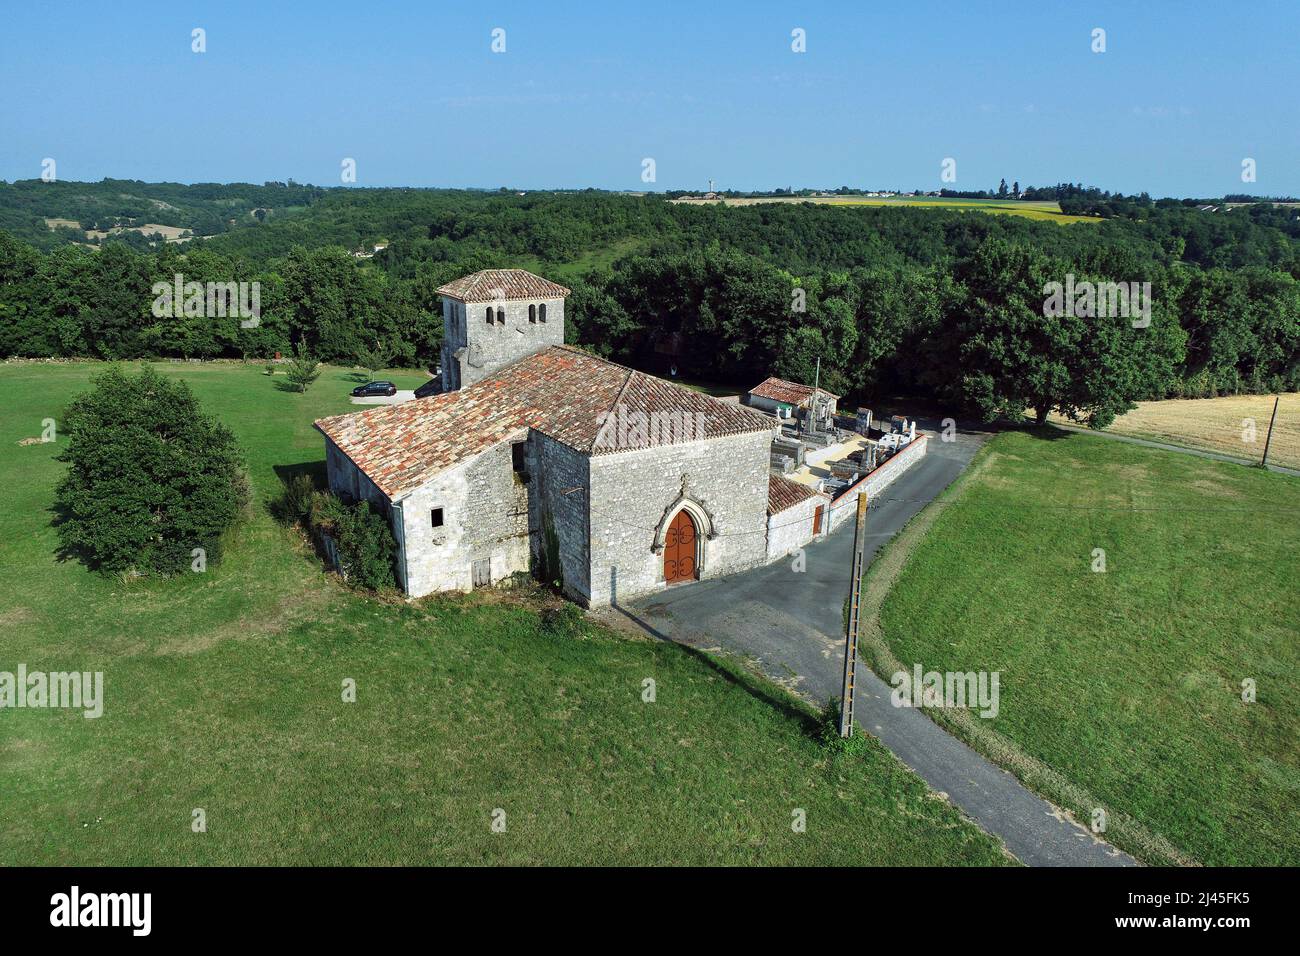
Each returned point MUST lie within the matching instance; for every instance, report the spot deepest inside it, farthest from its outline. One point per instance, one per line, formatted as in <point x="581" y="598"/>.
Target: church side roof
<point x="560" y="391"/>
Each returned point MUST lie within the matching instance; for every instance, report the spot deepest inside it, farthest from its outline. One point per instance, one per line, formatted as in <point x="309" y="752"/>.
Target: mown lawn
<point x="1128" y="682"/>
<point x="224" y="692"/>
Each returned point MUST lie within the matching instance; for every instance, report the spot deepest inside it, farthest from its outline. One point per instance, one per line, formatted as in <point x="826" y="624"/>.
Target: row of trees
<point x="72" y="302"/>
<point x="919" y="301"/>
<point x="977" y="335"/>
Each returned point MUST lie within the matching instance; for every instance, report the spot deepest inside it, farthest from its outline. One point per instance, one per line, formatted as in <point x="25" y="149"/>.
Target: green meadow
<point x="1131" y="599"/>
<point x="224" y="693"/>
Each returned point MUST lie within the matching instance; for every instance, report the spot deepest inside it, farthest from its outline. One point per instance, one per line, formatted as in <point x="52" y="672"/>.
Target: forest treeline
<point x="929" y="301"/>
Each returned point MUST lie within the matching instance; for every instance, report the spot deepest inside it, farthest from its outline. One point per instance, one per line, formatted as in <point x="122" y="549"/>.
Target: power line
<point x="874" y="503"/>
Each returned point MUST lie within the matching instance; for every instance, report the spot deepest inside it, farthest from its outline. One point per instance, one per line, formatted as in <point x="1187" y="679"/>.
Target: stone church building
<point x="539" y="458"/>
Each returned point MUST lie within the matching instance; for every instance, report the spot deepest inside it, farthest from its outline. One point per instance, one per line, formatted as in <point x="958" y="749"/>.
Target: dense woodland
<point x="919" y="301"/>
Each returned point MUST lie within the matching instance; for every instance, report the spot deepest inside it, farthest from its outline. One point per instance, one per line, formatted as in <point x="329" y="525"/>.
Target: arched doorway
<point x="680" y="545"/>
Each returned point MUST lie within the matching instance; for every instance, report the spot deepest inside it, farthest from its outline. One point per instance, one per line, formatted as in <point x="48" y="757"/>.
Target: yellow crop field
<point x="1049" y="211"/>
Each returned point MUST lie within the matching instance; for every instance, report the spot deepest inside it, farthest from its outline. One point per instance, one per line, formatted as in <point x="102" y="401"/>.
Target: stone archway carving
<point x="700" y="514"/>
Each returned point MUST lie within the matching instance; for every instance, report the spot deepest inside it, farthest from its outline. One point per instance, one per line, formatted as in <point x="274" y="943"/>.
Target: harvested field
<point x="1219" y="424"/>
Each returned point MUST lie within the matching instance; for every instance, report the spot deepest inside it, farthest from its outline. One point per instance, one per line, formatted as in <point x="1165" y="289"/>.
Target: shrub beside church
<point x="152" y="483"/>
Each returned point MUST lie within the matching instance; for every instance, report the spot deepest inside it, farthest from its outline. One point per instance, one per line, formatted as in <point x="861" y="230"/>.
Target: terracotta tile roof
<point x="783" y="493"/>
<point x="560" y="391"/>
<point x="495" y="285"/>
<point x="779" y="390"/>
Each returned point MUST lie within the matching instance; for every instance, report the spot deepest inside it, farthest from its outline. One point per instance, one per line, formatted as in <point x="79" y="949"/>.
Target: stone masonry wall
<point x="453" y="337"/>
<point x="485" y="517"/>
<point x="348" y="481"/>
<point x="558" y="515"/>
<point x="631" y="492"/>
<point x="792" y="528"/>
<point x="465" y="325"/>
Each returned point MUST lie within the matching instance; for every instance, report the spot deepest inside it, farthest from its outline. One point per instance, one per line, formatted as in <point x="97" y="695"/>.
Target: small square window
<point x="435" y="516"/>
<point x="519" y="458"/>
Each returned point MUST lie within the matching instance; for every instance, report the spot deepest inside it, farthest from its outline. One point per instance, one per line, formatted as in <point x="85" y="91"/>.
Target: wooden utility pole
<point x="851" y="632"/>
<point x="1269" y="439"/>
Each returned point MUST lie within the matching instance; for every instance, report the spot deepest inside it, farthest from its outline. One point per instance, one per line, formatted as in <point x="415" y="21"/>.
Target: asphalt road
<point x="791" y="625"/>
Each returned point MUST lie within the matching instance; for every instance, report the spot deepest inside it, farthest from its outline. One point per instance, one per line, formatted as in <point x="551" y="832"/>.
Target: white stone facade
<point x="635" y="494"/>
<point x="482" y="508"/>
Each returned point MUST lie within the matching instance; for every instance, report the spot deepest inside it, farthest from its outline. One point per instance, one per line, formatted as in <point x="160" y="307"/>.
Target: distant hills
<point x="47" y="214"/>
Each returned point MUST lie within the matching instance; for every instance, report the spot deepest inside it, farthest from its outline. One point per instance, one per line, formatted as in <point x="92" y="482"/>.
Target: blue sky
<point x="585" y="91"/>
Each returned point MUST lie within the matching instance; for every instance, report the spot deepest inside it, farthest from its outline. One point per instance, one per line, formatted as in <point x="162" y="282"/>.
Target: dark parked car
<point x="374" y="388"/>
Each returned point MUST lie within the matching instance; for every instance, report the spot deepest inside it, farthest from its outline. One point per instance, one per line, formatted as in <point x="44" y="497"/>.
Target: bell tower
<point x="495" y="317"/>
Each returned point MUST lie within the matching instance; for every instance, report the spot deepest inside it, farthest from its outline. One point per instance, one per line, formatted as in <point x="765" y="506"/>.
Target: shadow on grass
<point x="315" y="469"/>
<point x="1043" y="432"/>
<point x="285" y="385"/>
<point x="809" y="723"/>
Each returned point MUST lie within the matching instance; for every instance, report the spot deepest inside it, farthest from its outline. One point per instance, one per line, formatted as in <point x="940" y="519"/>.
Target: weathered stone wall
<point x="465" y="326"/>
<point x="634" y="495"/>
<point x="348" y="481"/>
<point x="341" y="472"/>
<point x="557" y="504"/>
<point x="485" y="517"/>
<point x="792" y="528"/>
<point x="453" y="338"/>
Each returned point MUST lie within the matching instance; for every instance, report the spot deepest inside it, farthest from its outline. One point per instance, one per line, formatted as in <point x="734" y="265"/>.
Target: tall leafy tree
<point x="1013" y="355"/>
<point x="150" y="477"/>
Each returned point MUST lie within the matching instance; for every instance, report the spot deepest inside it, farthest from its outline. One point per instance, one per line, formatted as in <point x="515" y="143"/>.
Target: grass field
<point x="223" y="692"/>
<point x="592" y="259"/>
<point x="1046" y="211"/>
<point x="1220" y="424"/>
<point x="169" y="233"/>
<point x="1122" y="690"/>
